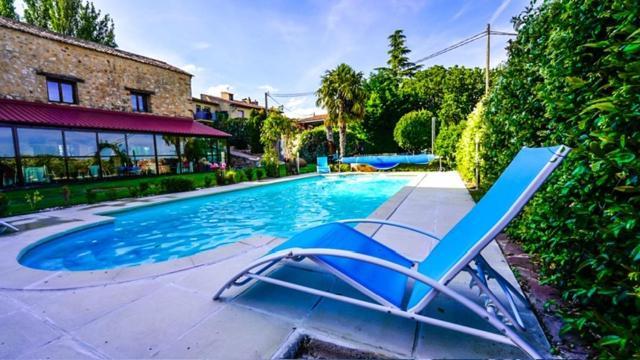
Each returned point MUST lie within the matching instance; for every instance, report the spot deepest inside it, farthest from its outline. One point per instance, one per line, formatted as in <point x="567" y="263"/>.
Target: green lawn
<point x="52" y="196"/>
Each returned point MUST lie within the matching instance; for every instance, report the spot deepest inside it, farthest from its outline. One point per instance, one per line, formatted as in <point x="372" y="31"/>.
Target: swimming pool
<point x="186" y="227"/>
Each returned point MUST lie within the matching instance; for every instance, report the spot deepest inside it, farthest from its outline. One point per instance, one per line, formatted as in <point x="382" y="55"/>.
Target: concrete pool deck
<point x="172" y="315"/>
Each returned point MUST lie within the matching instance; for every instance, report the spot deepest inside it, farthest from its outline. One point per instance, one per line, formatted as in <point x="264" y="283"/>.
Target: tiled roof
<point x="313" y="119"/>
<point x="40" y="114"/>
<point x="214" y="99"/>
<point x="46" y="34"/>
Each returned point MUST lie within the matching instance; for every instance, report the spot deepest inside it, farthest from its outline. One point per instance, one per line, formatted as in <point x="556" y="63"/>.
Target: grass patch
<point x="53" y="195"/>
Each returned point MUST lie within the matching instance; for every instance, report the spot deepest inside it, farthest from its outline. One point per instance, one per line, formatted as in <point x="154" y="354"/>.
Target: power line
<point x="300" y="94"/>
<point x="462" y="43"/>
<point x="452" y="47"/>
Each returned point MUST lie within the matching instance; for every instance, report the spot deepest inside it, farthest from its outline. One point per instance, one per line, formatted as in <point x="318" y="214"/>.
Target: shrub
<point x="239" y="176"/>
<point x="33" y="199"/>
<point x="229" y="177"/>
<point x="134" y="191"/>
<point x="92" y="196"/>
<point x="250" y="173"/>
<point x="4" y="205"/>
<point x="177" y="184"/>
<point x="413" y="130"/>
<point x="112" y="194"/>
<point x="66" y="194"/>
<point x="220" y="177"/>
<point x="271" y="168"/>
<point x="313" y="143"/>
<point x="572" y="78"/>
<point x="144" y="187"/>
<point x="261" y="173"/>
<point x="208" y="181"/>
<point x="447" y="141"/>
<point x="340" y="167"/>
<point x="310" y="168"/>
<point x="467" y="158"/>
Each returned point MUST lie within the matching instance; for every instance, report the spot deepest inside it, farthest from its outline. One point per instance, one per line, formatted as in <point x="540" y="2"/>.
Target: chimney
<point x="226" y="95"/>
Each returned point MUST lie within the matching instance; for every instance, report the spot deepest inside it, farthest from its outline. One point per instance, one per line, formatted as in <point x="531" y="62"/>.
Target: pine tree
<point x="8" y="9"/>
<point x="71" y="17"/>
<point x="398" y="60"/>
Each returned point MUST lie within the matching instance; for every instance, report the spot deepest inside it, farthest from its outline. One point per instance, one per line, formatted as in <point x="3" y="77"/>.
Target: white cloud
<point x="461" y="12"/>
<point x="267" y="88"/>
<point x="499" y="11"/>
<point x="201" y="45"/>
<point x="215" y="90"/>
<point x="192" y="68"/>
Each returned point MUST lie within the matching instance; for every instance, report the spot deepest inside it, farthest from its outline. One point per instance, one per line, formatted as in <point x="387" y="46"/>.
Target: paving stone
<point x="21" y="331"/>
<point x="286" y="302"/>
<point x="255" y="336"/>
<point x="355" y="323"/>
<point x="138" y="329"/>
<point x="209" y="278"/>
<point x="63" y="349"/>
<point x="8" y="306"/>
<point x="74" y="308"/>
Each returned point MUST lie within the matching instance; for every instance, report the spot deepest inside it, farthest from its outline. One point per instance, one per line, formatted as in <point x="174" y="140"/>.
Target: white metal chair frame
<point x="494" y="311"/>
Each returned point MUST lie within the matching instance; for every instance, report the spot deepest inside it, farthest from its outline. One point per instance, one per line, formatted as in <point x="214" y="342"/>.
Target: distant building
<point x="75" y="110"/>
<point x="209" y="107"/>
<point x="312" y="121"/>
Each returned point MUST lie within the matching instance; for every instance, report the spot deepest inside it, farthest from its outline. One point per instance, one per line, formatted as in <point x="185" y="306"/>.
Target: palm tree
<point x="342" y="93"/>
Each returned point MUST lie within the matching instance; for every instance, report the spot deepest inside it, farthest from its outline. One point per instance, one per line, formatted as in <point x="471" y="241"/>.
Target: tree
<point x="398" y="60"/>
<point x="275" y="128"/>
<point x="38" y="12"/>
<point x="8" y="9"/>
<point x="413" y="131"/>
<point x="71" y="18"/>
<point x="342" y="93"/>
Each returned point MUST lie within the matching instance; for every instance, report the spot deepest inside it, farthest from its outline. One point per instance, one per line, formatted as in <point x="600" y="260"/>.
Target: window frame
<point x="59" y="82"/>
<point x="138" y="95"/>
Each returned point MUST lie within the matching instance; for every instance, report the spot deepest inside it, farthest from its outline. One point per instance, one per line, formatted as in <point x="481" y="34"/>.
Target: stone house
<point x="209" y="107"/>
<point x="75" y="110"/>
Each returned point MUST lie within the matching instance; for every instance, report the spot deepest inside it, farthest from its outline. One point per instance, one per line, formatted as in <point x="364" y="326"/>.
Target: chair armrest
<point x="392" y="224"/>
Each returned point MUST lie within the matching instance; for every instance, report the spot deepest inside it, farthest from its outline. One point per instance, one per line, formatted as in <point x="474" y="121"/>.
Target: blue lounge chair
<point x="322" y="166"/>
<point x="5" y="225"/>
<point x="386" y="276"/>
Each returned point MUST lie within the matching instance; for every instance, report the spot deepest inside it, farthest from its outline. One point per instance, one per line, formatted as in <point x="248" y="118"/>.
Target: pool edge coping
<point x="12" y="272"/>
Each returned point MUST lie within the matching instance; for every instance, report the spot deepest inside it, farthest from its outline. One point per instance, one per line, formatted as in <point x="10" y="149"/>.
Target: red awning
<point x="39" y="114"/>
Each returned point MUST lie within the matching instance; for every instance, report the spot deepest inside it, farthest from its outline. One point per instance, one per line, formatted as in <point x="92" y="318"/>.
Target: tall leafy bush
<point x="468" y="156"/>
<point x="573" y="77"/>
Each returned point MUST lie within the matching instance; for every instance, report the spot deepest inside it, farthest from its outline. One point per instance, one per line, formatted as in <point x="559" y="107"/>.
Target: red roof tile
<point x="40" y="114"/>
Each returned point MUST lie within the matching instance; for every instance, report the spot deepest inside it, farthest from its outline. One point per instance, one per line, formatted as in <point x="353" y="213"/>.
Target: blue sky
<point x="285" y="45"/>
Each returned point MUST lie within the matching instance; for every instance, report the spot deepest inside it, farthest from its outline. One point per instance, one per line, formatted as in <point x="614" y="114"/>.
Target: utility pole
<point x="266" y="103"/>
<point x="486" y="72"/>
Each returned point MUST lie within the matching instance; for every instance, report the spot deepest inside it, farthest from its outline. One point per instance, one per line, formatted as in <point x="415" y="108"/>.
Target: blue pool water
<point x="182" y="228"/>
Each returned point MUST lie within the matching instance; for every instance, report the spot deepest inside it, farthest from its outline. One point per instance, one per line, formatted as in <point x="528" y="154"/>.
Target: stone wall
<point x="106" y="76"/>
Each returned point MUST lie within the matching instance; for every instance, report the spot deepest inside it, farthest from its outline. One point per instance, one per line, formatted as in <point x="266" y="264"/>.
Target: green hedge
<point x="573" y="77"/>
<point x="413" y="130"/>
<point x="467" y="156"/>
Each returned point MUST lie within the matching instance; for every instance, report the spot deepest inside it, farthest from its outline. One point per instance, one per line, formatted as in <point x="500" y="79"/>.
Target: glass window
<point x="43" y="169"/>
<point x="53" y="90"/>
<point x="80" y="143"/>
<point x="109" y="143"/>
<point x="241" y="113"/>
<point x="34" y="142"/>
<point x="168" y="165"/>
<point x="61" y="91"/>
<point x="6" y="142"/>
<point x="139" y="102"/>
<point x="167" y="144"/>
<point x="67" y="93"/>
<point x="140" y="145"/>
<point x="83" y="168"/>
<point x="113" y="154"/>
<point x="8" y="174"/>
